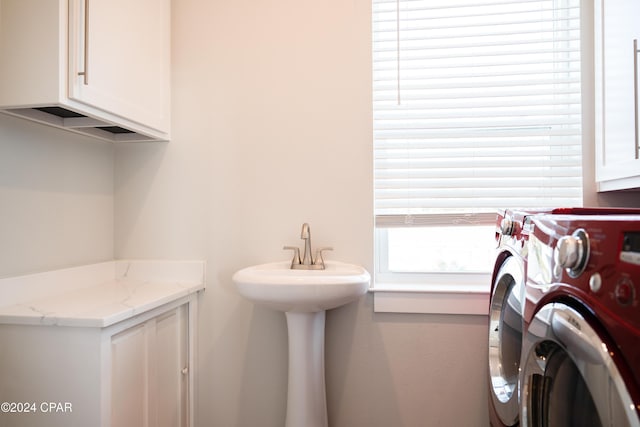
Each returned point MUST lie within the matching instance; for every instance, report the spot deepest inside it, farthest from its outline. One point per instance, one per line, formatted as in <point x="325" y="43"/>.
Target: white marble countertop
<point x="97" y="295"/>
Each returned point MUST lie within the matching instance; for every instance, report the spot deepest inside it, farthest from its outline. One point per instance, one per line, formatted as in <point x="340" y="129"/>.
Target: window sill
<point x="430" y="299"/>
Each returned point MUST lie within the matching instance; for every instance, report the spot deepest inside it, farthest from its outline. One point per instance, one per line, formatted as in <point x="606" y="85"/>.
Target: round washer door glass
<point x="569" y="379"/>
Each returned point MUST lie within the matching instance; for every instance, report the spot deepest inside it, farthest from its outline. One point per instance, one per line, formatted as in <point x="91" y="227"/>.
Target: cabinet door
<point x="171" y="369"/>
<point x="149" y="366"/>
<point x="129" y="377"/>
<point x="618" y="152"/>
<point x="119" y="58"/>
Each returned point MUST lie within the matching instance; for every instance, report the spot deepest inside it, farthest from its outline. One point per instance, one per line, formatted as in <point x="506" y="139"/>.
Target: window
<point x="476" y="108"/>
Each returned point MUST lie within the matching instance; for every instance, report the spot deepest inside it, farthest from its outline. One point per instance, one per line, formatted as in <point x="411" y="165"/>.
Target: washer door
<point x="505" y="340"/>
<point x="569" y="379"/>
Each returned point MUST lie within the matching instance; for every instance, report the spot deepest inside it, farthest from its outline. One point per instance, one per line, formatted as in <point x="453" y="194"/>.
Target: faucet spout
<point x="307" y="261"/>
<point x="305" y="234"/>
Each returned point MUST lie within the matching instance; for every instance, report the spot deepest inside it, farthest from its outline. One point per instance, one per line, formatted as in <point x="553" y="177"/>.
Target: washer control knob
<point x="507" y="226"/>
<point x="624" y="292"/>
<point x="572" y="252"/>
<point x="595" y="283"/>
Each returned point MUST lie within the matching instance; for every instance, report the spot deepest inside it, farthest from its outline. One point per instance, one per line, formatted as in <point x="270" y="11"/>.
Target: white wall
<point x="272" y="128"/>
<point x="56" y="198"/>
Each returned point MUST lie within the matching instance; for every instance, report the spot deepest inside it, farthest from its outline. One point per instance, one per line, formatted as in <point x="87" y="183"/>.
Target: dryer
<point x="580" y="360"/>
<point x="505" y="317"/>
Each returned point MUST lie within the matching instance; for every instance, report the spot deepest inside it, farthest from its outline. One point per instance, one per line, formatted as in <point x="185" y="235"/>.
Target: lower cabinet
<point x="149" y="372"/>
<point x="135" y="373"/>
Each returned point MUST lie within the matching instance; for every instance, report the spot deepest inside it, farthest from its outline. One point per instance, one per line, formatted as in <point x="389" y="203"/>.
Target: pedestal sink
<point x="304" y="296"/>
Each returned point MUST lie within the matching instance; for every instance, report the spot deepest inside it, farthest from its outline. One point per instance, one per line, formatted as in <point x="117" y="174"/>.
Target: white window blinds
<point x="476" y="107"/>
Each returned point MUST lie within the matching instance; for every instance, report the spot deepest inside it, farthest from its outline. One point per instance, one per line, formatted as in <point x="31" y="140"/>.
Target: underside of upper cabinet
<point x="96" y="67"/>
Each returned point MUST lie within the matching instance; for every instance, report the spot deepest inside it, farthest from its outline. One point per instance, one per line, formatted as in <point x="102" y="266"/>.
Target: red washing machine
<point x="580" y="362"/>
<point x="505" y="316"/>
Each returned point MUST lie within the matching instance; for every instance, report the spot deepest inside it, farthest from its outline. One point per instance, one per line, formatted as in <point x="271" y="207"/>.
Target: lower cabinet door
<point x="171" y="369"/>
<point x="129" y="369"/>
<point x="149" y="373"/>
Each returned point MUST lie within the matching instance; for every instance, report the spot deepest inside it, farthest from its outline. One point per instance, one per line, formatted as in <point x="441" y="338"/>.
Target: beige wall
<point x="56" y="198"/>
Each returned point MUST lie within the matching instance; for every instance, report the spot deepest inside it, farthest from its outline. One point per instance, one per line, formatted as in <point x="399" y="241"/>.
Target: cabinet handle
<point x="85" y="72"/>
<point x="185" y="370"/>
<point x="635" y="95"/>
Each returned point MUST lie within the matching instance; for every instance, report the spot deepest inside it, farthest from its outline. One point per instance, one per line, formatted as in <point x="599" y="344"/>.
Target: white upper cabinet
<point x="97" y="67"/>
<point x="617" y="40"/>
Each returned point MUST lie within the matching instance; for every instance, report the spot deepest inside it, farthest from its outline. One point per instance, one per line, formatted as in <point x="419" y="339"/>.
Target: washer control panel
<point x="595" y="258"/>
<point x="624" y="291"/>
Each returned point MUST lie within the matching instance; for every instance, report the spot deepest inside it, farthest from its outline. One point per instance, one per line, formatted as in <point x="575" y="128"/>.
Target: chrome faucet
<point x="308" y="261"/>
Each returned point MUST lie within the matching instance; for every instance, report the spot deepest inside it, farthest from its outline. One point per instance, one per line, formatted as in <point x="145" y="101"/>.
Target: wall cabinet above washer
<point x="96" y="67"/>
<point x="617" y="44"/>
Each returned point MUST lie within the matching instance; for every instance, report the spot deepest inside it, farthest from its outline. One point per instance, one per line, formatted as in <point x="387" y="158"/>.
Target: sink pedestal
<point x="306" y="396"/>
<point x="304" y="296"/>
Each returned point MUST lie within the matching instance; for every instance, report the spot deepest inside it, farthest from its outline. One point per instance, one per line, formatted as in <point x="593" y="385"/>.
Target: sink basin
<point x="277" y="286"/>
<point x="304" y="296"/>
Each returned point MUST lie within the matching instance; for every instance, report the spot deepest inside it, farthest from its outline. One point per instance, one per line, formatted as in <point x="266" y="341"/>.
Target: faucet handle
<point x="318" y="260"/>
<point x="296" y="255"/>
